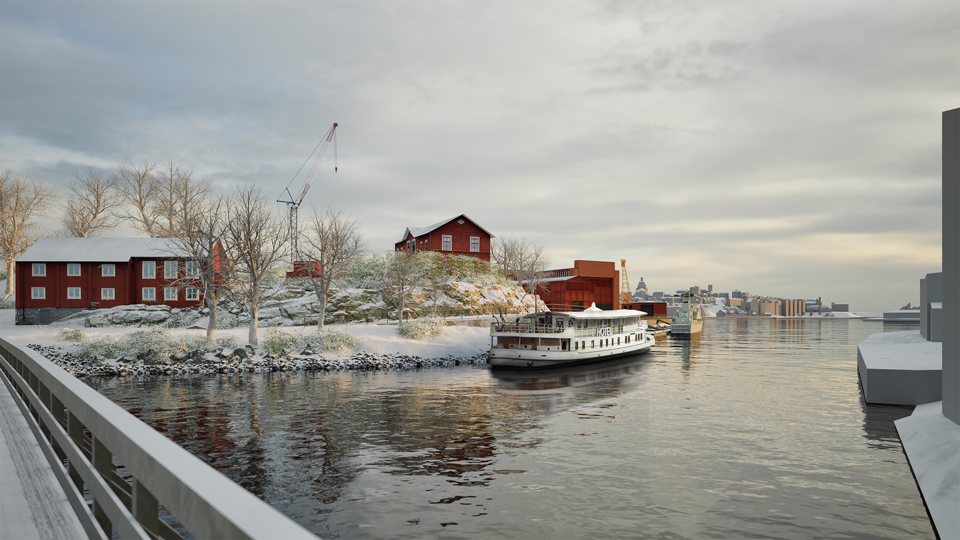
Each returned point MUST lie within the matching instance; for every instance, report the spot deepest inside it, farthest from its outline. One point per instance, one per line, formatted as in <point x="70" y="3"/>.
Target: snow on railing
<point x="74" y="423"/>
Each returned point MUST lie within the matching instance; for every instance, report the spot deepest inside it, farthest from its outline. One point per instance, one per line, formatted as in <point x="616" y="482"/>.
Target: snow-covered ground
<point x="374" y="338"/>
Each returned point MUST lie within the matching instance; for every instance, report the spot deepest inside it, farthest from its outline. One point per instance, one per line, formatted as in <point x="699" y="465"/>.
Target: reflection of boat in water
<point x="572" y="385"/>
<point x="688" y="320"/>
<point x="563" y="338"/>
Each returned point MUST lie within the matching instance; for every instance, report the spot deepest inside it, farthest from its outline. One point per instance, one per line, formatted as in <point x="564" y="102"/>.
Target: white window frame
<point x="148" y="294"/>
<point x="167" y="294"/>
<point x="108" y="294"/>
<point x="71" y="267"/>
<point x="149" y="270"/>
<point x="38" y="293"/>
<point x="193" y="269"/>
<point x="193" y="294"/>
<point x="39" y="269"/>
<point x="474" y="244"/>
<point x="167" y="266"/>
<point x="108" y="270"/>
<point x="73" y="293"/>
<point x="446" y="242"/>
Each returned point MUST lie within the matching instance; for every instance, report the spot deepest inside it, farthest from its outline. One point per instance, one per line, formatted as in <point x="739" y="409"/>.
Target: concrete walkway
<point x="32" y="503"/>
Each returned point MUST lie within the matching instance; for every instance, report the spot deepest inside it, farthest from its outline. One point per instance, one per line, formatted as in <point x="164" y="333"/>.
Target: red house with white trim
<point x="57" y="277"/>
<point x="458" y="235"/>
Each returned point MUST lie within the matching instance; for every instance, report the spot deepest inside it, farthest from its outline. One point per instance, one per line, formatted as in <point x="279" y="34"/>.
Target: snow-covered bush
<point x="363" y="272"/>
<point x="152" y="346"/>
<point x="226" y="320"/>
<point x="423" y="329"/>
<point x="71" y="335"/>
<point x="7" y="303"/>
<point x="329" y="339"/>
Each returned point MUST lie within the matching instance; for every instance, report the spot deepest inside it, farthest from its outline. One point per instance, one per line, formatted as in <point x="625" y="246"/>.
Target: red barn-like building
<point x="575" y="289"/>
<point x="57" y="277"/>
<point x="458" y="235"/>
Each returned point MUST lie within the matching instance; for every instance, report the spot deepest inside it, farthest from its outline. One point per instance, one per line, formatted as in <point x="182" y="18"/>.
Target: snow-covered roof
<point x="99" y="249"/>
<point x="420" y="231"/>
<point x="593" y="312"/>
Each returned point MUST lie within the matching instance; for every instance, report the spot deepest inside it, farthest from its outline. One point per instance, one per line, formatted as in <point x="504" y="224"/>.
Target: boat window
<point x="591" y="343"/>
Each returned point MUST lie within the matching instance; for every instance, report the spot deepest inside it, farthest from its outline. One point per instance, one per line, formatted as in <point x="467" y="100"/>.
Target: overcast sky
<point x="786" y="148"/>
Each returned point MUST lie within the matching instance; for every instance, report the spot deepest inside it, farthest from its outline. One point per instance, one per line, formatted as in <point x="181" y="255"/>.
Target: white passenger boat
<point x="562" y="338"/>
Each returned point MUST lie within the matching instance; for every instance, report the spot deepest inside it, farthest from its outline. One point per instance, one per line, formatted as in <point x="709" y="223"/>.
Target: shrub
<point x="153" y="346"/>
<point x="182" y="319"/>
<point x="423" y="329"/>
<point x="71" y="335"/>
<point x="226" y="320"/>
<point x="7" y="303"/>
<point x="277" y="341"/>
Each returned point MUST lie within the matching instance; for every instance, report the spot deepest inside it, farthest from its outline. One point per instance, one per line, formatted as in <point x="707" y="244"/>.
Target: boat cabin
<point x="587" y="330"/>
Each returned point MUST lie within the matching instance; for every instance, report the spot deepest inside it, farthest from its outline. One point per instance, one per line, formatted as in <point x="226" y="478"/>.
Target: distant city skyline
<point x="790" y="148"/>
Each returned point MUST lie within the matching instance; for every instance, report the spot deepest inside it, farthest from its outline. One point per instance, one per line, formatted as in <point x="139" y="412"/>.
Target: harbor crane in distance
<point x="625" y="294"/>
<point x="294" y="204"/>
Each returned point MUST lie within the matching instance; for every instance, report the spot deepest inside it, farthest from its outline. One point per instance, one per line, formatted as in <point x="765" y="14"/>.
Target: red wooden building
<point x="575" y="289"/>
<point x="651" y="308"/>
<point x="57" y="277"/>
<point x="458" y="235"/>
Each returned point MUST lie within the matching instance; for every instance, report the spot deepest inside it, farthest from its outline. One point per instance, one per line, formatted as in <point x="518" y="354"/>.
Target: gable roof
<point x="420" y="231"/>
<point x="99" y="249"/>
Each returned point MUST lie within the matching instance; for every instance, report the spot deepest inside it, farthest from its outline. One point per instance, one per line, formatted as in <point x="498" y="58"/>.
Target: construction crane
<point x="295" y="204"/>
<point x="625" y="294"/>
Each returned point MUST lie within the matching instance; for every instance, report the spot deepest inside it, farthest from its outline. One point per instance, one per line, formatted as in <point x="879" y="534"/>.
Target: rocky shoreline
<point x="244" y="360"/>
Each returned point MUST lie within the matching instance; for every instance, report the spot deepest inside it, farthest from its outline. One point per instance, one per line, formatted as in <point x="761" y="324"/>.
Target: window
<point x="591" y="343"/>
<point x="170" y="293"/>
<point x="193" y="293"/>
<point x="108" y="270"/>
<point x="447" y="242"/>
<point x="149" y="293"/>
<point x="193" y="269"/>
<point x="73" y="269"/>
<point x="107" y="294"/>
<point x="73" y="293"/>
<point x="39" y="269"/>
<point x="474" y="244"/>
<point x="170" y="269"/>
<point x="149" y="270"/>
<point x="38" y="293"/>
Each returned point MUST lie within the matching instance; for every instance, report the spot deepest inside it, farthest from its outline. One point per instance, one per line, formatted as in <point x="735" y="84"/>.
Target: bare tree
<point x="179" y="197"/>
<point x="139" y="190"/>
<point x="22" y="200"/>
<point x="523" y="262"/>
<point x="200" y="241"/>
<point x="90" y="205"/>
<point x="255" y="241"/>
<point x="331" y="240"/>
<point x="399" y="273"/>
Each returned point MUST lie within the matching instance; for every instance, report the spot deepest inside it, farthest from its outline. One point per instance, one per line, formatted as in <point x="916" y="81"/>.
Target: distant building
<point x="458" y="235"/>
<point x="58" y="277"/>
<point x="792" y="308"/>
<point x="839" y="307"/>
<point x="736" y="294"/>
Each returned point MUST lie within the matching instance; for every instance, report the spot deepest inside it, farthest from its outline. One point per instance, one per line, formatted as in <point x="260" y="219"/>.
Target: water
<point x="756" y="430"/>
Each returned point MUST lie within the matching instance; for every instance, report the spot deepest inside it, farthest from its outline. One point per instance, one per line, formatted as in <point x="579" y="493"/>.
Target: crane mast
<point x="295" y="204"/>
<point x="625" y="294"/>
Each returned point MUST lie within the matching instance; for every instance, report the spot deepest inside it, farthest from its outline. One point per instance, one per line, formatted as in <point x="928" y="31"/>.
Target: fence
<point x="76" y="425"/>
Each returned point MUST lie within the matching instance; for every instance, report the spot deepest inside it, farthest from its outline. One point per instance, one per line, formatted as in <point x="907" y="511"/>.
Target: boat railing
<point x="526" y="328"/>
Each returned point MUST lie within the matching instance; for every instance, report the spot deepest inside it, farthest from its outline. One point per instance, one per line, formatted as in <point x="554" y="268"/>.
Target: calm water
<point x="757" y="430"/>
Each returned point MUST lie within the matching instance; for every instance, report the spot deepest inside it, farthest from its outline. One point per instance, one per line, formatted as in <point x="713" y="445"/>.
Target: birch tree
<point x="139" y="192"/>
<point x="179" y="197"/>
<point x="398" y="275"/>
<point x="200" y="241"/>
<point x="256" y="241"/>
<point x="22" y="201"/>
<point x="90" y="205"/>
<point x="523" y="262"/>
<point x="331" y="240"/>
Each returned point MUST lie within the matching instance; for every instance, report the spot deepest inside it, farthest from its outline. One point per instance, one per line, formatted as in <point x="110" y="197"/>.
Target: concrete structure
<point x="458" y="235"/>
<point x="574" y="289"/>
<point x="839" y="307"/>
<point x="931" y="303"/>
<point x="951" y="265"/>
<point x="57" y="277"/>
<point x="899" y="368"/>
<point x="792" y="308"/>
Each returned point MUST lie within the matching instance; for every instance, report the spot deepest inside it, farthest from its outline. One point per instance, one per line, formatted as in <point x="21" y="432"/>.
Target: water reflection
<point x="878" y="424"/>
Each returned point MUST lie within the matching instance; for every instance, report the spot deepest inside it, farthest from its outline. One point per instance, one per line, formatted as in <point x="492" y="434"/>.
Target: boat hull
<point x="532" y="359"/>
<point x="686" y="328"/>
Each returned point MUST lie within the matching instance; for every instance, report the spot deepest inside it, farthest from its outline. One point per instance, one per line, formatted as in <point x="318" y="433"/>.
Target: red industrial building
<point x="575" y="289"/>
<point x="458" y="235"/>
<point x="57" y="277"/>
<point x="652" y="308"/>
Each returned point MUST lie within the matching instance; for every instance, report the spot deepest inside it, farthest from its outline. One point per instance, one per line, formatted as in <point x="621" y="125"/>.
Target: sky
<point x="785" y="148"/>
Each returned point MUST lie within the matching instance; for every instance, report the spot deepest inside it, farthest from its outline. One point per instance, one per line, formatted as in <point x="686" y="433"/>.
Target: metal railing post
<point x="103" y="463"/>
